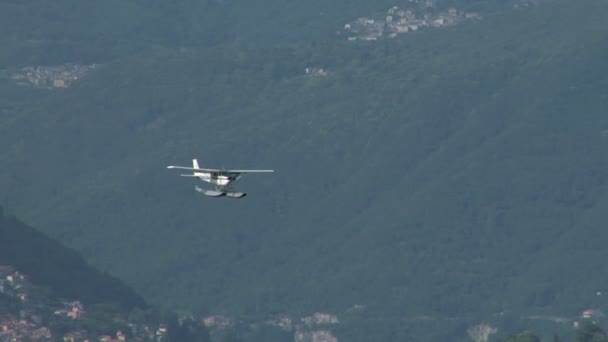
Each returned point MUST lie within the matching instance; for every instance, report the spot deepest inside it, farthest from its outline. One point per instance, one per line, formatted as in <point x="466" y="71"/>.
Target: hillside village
<point x="14" y="285"/>
<point x="415" y="15"/>
<point x="60" y="76"/>
<point x="313" y="328"/>
<point x="318" y="326"/>
<point x="28" y="318"/>
<point x="28" y="309"/>
<point x="30" y="315"/>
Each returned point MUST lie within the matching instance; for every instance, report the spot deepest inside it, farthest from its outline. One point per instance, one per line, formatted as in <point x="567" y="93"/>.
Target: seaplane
<point x="222" y="179"/>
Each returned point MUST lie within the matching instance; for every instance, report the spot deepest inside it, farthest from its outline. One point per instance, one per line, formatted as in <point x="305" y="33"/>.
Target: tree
<point x="525" y="336"/>
<point x="481" y="332"/>
<point x="590" y="332"/>
<point x="187" y="331"/>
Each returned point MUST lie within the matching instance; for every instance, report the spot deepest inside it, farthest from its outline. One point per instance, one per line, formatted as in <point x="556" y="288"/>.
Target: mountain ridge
<point x="443" y="173"/>
<point x="49" y="264"/>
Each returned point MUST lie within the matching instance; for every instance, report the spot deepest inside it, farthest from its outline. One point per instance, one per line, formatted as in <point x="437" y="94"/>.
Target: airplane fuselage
<point x="214" y="178"/>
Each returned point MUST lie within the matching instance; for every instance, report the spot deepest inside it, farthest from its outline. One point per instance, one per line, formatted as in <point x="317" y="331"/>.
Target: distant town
<point x="27" y="324"/>
<point x="61" y="76"/>
<point x="415" y="15"/>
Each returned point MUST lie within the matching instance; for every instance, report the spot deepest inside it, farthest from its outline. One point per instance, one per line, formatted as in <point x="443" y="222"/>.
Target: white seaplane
<point x="222" y="179"/>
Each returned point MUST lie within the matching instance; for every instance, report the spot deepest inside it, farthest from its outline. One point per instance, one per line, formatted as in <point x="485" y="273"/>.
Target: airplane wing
<point x="247" y="171"/>
<point x="192" y="169"/>
<point x="217" y="170"/>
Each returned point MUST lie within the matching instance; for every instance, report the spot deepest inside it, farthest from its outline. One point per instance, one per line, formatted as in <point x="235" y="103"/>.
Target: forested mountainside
<point x="49" y="293"/>
<point x="41" y="32"/>
<point x="61" y="269"/>
<point x="447" y="173"/>
<point x="67" y="31"/>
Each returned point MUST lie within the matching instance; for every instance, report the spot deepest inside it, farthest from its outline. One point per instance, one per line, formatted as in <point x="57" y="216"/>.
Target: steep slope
<point x="37" y="32"/>
<point x="445" y="173"/>
<point x="48" y="292"/>
<point x="60" y="269"/>
<point x="70" y="31"/>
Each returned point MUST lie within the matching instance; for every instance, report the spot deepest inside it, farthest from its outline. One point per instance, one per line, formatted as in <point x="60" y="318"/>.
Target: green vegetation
<point x="452" y="173"/>
<point x="590" y="332"/>
<point x="54" y="278"/>
<point x="587" y="332"/>
<point x="60" y="269"/>
<point x="524" y="337"/>
<point x="8" y="304"/>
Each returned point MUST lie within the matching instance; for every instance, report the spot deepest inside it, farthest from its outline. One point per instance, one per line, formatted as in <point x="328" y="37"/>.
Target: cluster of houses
<point x="13" y="283"/>
<point x="79" y="336"/>
<point x="319" y="318"/>
<point x="20" y="329"/>
<point x="315" y="328"/>
<point x="24" y="324"/>
<point x="403" y="20"/>
<point x="73" y="310"/>
<point x="145" y="333"/>
<point x="61" y="76"/>
<point x="287" y="323"/>
<point x="415" y="15"/>
<point x="316" y="72"/>
<point x="483" y="331"/>
<point x="314" y="336"/>
<point x="311" y="328"/>
<point x="218" y="321"/>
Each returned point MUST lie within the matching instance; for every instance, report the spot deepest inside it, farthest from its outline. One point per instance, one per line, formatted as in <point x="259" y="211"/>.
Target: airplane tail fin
<point x="195" y="164"/>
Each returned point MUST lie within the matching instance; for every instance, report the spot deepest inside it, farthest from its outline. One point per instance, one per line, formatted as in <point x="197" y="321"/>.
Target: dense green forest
<point x="588" y="332"/>
<point x="56" y="276"/>
<point x="452" y="174"/>
<point x="62" y="270"/>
